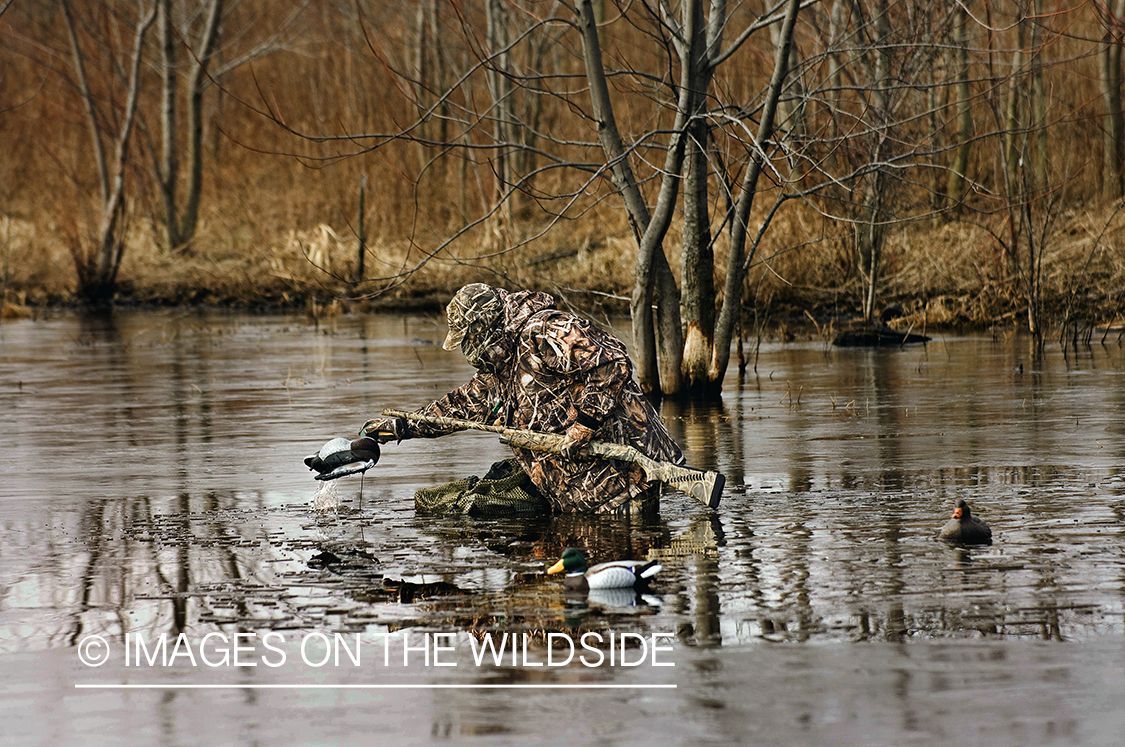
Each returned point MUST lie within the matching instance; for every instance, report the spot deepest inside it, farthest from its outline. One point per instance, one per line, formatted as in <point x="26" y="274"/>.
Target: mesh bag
<point x="505" y="490"/>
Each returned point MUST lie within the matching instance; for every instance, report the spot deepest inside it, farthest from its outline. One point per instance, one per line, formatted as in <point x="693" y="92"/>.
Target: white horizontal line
<point x="251" y="686"/>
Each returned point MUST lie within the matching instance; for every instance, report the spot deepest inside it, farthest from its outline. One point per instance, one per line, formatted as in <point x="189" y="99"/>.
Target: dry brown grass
<point x="278" y="222"/>
<point x="35" y="262"/>
<point x="952" y="275"/>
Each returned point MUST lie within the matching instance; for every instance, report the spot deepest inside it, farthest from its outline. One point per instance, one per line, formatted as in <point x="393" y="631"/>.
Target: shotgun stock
<point x="705" y="486"/>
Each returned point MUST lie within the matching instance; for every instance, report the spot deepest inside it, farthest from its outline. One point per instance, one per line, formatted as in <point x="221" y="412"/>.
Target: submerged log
<point x="876" y="337"/>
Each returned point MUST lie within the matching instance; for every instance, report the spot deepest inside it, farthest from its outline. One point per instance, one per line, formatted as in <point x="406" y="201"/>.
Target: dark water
<point x="152" y="485"/>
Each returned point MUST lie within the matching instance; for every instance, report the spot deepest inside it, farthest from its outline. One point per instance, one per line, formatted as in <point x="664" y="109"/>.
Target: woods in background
<point x="706" y="160"/>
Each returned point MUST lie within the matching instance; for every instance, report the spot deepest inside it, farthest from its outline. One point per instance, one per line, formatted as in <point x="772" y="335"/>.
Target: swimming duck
<point x="340" y="457"/>
<point x="616" y="574"/>
<point x="966" y="528"/>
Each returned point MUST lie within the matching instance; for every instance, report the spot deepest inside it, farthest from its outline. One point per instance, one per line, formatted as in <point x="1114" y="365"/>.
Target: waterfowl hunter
<point x="616" y="574"/>
<point x="543" y="369"/>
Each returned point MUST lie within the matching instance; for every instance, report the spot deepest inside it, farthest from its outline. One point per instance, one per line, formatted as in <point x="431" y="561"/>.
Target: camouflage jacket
<point x="546" y="370"/>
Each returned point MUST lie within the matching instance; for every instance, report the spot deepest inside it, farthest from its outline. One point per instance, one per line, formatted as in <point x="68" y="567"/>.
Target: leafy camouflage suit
<point x="551" y="371"/>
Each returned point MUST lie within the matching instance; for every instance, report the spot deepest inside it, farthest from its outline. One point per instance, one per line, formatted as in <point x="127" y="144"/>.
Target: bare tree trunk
<point x="1011" y="115"/>
<point x="88" y="102"/>
<point x="738" y="264"/>
<point x="361" y="231"/>
<point x="698" y="301"/>
<point x="872" y="225"/>
<point x="870" y="233"/>
<point x="439" y="71"/>
<point x="180" y="225"/>
<point x="497" y="39"/>
<point x="621" y="174"/>
<point x="110" y="236"/>
<point x="784" y="107"/>
<point x="1035" y="180"/>
<point x="98" y="273"/>
<point x="654" y="375"/>
<point x="1034" y="266"/>
<point x="1039" y="102"/>
<point x="429" y="72"/>
<point x="422" y="43"/>
<point x="956" y="188"/>
<point x="837" y="27"/>
<point x="1113" y="134"/>
<point x="197" y="82"/>
<point x="166" y="167"/>
<point x="1001" y="174"/>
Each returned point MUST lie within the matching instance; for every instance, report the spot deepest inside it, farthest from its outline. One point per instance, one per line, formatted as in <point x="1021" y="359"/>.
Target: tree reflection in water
<point x="187" y="508"/>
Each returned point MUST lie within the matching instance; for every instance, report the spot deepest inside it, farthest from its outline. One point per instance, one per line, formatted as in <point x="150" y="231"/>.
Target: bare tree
<point x="180" y="220"/>
<point x="1031" y="202"/>
<point x="859" y="110"/>
<point x="696" y="39"/>
<point x="873" y="218"/>
<point x="649" y="229"/>
<point x="98" y="258"/>
<point x="957" y="180"/>
<point x="127" y="114"/>
<point x="190" y="36"/>
<point x="1112" y="15"/>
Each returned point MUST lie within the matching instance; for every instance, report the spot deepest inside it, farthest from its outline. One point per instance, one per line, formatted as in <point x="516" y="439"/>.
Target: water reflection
<point x="187" y="507"/>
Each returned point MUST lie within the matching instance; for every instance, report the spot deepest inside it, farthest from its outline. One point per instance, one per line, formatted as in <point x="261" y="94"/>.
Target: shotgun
<point x="706" y="487"/>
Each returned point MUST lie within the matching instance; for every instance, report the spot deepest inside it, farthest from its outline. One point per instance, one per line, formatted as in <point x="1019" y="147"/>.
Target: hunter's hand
<point x="577" y="436"/>
<point x="384" y="430"/>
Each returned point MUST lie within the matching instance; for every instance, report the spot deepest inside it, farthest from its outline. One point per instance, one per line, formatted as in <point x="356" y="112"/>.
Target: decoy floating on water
<point x="635" y="599"/>
<point x="341" y="457"/>
<point x="966" y="528"/>
<point x="616" y="574"/>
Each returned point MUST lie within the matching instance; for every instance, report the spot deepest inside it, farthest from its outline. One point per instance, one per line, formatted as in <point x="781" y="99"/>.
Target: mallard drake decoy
<point x="634" y="598"/>
<point x="966" y="528"/>
<point x="616" y="574"/>
<point x="340" y="457"/>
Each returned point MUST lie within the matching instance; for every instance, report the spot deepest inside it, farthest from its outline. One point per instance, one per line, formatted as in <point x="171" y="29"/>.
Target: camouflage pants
<point x="587" y="485"/>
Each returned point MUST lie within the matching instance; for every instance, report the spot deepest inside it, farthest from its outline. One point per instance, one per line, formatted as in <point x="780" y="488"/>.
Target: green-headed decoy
<point x="616" y="574"/>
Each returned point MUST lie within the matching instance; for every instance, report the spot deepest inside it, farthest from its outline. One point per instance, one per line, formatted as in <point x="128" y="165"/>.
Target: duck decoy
<point x="616" y="574"/>
<point x="621" y="599"/>
<point x="341" y="457"/>
<point x="966" y="528"/>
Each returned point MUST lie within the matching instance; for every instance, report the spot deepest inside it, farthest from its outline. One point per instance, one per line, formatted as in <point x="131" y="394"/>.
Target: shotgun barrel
<point x="703" y="485"/>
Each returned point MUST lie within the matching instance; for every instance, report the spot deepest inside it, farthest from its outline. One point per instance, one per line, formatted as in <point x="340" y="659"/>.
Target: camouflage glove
<point x="577" y="436"/>
<point x="387" y="429"/>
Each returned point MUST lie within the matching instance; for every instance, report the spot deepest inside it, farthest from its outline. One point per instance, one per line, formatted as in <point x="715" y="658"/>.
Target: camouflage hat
<point x="475" y="307"/>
